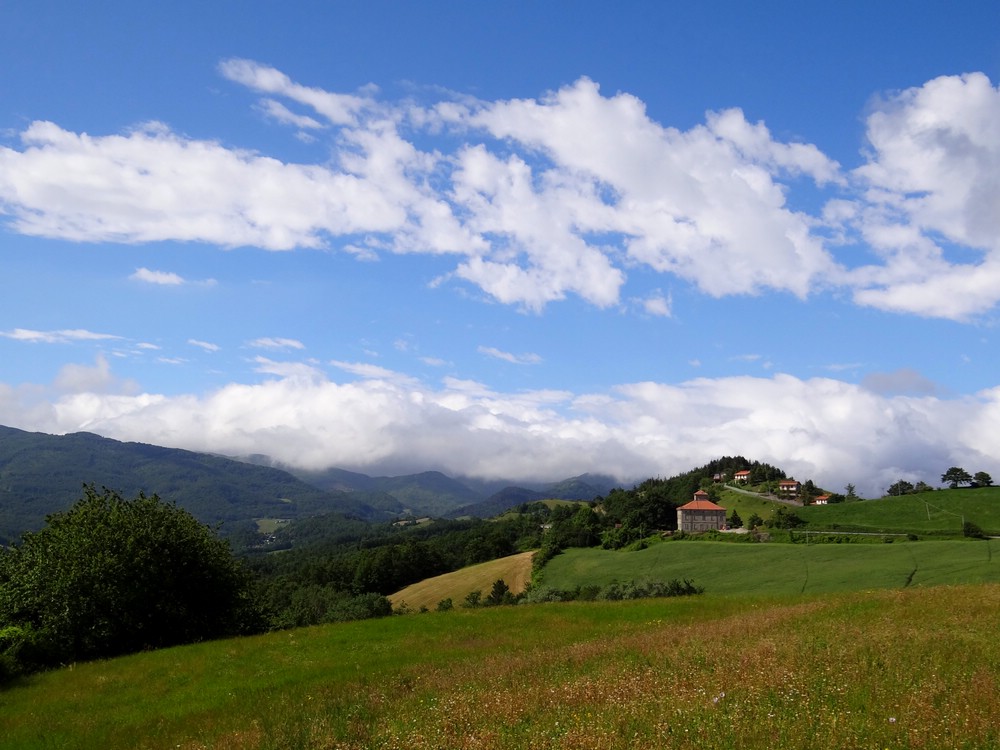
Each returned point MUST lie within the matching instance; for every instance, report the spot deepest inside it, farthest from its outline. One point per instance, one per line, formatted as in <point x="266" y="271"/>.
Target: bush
<point x="785" y="519"/>
<point x="17" y="651"/>
<point x="615" y="591"/>
<point x="112" y="576"/>
<point x="500" y="594"/>
<point x="473" y="599"/>
<point x="972" y="530"/>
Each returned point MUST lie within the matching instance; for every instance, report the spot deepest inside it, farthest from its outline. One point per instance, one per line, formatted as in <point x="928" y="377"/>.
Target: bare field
<point x="515" y="570"/>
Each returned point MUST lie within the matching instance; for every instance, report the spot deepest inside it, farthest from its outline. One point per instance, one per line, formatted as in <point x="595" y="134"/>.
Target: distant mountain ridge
<point x="41" y="474"/>
<point x="436" y="494"/>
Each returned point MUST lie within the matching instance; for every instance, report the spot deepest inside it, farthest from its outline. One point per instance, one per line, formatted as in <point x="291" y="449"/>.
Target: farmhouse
<point x="742" y="476"/>
<point x="789" y="488"/>
<point x="701" y="514"/>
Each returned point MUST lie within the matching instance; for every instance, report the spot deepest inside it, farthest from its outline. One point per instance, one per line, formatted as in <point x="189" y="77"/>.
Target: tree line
<point x="955" y="477"/>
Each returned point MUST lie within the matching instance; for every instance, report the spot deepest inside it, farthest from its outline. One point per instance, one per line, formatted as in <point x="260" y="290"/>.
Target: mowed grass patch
<point x="726" y="569"/>
<point x="746" y="505"/>
<point x="902" y="669"/>
<point x="940" y="512"/>
<point x="515" y="570"/>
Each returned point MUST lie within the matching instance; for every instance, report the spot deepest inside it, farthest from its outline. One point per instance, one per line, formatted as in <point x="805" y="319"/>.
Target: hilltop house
<point x="701" y="514"/>
<point x="742" y="476"/>
<point x="789" y="488"/>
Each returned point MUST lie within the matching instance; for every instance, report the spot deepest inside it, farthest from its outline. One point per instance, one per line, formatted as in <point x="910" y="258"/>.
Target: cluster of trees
<point x="954" y="477"/>
<point x="113" y="576"/>
<point x="957" y="477"/>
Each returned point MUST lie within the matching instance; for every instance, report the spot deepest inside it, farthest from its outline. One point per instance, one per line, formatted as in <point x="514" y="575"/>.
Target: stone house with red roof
<point x="701" y="514"/>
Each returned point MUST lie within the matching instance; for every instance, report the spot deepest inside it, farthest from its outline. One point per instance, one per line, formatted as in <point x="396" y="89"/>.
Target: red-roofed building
<point x="701" y="514"/>
<point x="789" y="488"/>
<point x="742" y="476"/>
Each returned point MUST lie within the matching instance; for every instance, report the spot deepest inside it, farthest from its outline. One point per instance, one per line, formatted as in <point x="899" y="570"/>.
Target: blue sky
<point x="519" y="240"/>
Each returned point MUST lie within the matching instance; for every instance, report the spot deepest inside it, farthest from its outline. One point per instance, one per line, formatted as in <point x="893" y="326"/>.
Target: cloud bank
<point x="538" y="199"/>
<point x="383" y="422"/>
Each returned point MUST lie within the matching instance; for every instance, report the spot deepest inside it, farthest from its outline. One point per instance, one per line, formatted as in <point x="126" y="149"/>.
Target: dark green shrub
<point x="972" y="530"/>
<point x="113" y="576"/>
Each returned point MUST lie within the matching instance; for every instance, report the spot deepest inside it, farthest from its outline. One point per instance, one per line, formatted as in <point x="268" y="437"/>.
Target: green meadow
<point x="910" y="668"/>
<point x="928" y="513"/>
<point x="726" y="569"/>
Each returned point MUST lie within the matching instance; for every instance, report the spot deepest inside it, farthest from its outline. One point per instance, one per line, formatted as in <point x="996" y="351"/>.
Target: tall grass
<point x="901" y="669"/>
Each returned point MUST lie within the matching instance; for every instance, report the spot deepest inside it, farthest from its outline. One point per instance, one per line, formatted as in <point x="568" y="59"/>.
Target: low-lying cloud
<point x="379" y="422"/>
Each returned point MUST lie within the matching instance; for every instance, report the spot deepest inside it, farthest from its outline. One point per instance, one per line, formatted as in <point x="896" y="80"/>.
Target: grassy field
<point x="914" y="668"/>
<point x="746" y="505"/>
<point x="930" y="513"/>
<point x="782" y="569"/>
<point x="940" y="512"/>
<point x="515" y="571"/>
<point x="773" y="568"/>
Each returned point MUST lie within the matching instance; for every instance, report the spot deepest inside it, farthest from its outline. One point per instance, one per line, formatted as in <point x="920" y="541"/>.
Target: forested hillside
<point x="41" y="474"/>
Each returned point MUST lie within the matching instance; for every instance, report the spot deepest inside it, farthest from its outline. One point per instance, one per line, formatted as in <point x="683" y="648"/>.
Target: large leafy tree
<point x="956" y="476"/>
<point x="112" y="576"/>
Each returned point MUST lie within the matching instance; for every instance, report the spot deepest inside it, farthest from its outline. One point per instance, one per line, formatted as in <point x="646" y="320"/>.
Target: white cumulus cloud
<point x="932" y="185"/>
<point x="540" y="198"/>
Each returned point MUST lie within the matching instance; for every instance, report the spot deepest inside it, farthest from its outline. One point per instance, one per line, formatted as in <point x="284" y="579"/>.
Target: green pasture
<point x="940" y="512"/>
<point x="747" y="505"/>
<point x="277" y="687"/>
<point x="782" y="569"/>
<point x="913" y="668"/>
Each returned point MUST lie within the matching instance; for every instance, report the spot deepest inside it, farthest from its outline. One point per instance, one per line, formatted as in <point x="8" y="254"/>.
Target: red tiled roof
<point x="701" y="504"/>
